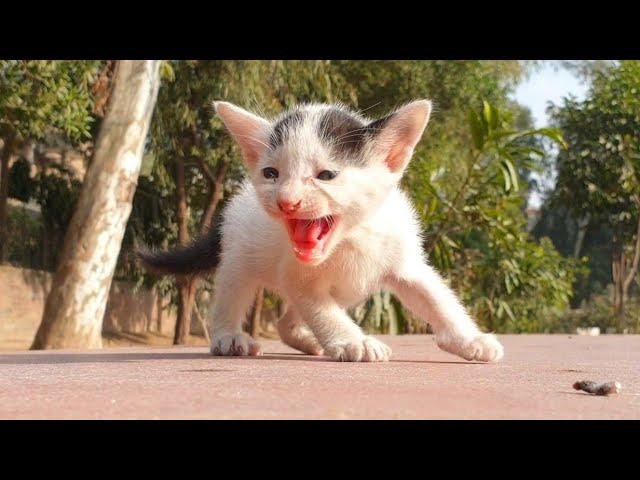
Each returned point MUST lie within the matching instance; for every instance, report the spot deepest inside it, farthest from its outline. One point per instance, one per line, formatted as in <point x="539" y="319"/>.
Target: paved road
<point x="421" y="382"/>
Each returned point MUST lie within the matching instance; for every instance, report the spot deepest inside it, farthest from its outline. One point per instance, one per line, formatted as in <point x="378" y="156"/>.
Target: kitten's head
<point x="321" y="169"/>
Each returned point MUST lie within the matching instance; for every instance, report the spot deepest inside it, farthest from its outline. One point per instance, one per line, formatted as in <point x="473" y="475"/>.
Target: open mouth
<point x="310" y="235"/>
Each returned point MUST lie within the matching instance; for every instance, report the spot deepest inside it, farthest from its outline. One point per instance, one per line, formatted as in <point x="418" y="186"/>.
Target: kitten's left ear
<point x="400" y="132"/>
<point x="249" y="131"/>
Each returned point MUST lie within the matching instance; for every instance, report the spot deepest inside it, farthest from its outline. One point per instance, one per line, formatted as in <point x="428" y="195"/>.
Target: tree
<point x="38" y="98"/>
<point x="76" y="303"/>
<point x="599" y="174"/>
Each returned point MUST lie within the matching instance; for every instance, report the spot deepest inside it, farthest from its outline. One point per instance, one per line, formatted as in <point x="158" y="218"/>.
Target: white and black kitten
<point x="323" y="223"/>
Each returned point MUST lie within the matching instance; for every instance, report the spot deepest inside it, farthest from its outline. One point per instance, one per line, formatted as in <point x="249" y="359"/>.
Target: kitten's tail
<point x="199" y="258"/>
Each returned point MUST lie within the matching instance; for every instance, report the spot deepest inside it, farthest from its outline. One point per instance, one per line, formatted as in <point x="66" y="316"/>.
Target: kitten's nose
<point x="287" y="206"/>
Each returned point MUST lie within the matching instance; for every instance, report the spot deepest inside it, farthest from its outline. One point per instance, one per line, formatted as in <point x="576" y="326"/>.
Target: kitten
<point x="323" y="223"/>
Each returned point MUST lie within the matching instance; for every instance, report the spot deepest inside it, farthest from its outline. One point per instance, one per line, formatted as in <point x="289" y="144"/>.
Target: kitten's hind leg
<point x="295" y="333"/>
<point x="233" y="297"/>
<point x="423" y="291"/>
<point x="340" y="337"/>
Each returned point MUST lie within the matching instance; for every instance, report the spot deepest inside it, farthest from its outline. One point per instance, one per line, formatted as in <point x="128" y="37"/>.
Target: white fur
<point x="376" y="245"/>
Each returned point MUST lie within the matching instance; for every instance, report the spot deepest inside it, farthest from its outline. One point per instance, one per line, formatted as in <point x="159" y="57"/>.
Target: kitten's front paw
<point x="367" y="349"/>
<point x="239" y="344"/>
<point x="484" y="347"/>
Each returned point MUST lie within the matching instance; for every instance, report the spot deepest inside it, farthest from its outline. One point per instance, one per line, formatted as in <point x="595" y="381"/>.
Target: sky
<point x="548" y="85"/>
<point x="544" y="86"/>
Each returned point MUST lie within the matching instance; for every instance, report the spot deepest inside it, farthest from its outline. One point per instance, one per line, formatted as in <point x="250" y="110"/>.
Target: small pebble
<point x="598" y="388"/>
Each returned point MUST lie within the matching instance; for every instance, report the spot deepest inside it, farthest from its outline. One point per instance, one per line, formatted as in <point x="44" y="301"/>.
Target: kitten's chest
<point x="354" y="271"/>
<point x="348" y="277"/>
<point x="354" y="275"/>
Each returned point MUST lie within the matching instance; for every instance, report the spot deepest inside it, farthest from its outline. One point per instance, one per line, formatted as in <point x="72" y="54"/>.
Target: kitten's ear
<point x="249" y="131"/>
<point x="400" y="132"/>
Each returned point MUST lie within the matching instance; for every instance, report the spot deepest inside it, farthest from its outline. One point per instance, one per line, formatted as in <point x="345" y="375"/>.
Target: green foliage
<point x="562" y="229"/>
<point x="475" y="228"/>
<point x="25" y="248"/>
<point x="515" y="285"/>
<point x="57" y="193"/>
<point x="597" y="312"/>
<point x="600" y="172"/>
<point x="38" y="97"/>
<point x="382" y="313"/>
<point x="46" y="101"/>
<point x="21" y="185"/>
<point x="598" y="179"/>
<point x="453" y="86"/>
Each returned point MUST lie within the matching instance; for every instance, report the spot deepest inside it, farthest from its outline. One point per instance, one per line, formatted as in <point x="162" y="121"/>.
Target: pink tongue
<point x="307" y="231"/>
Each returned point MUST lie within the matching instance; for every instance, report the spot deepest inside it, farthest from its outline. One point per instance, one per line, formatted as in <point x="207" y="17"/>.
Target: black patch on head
<point x="344" y="131"/>
<point x="283" y="127"/>
<point x="347" y="133"/>
<point x="374" y="127"/>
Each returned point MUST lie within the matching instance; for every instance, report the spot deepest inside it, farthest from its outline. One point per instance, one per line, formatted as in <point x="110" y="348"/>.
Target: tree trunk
<point x="45" y="249"/>
<point x="581" y="280"/>
<point x="185" y="285"/>
<point x="617" y="267"/>
<point x="583" y="223"/>
<point x="186" y="295"/>
<point x="188" y="287"/>
<point x="161" y="306"/>
<point x="633" y="266"/>
<point x="102" y="88"/>
<point x="75" y="306"/>
<point x="203" y="322"/>
<point x="7" y="151"/>
<point x="159" y="312"/>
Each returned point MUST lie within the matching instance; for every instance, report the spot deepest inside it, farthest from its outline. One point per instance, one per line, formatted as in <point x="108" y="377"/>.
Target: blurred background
<point x="527" y="182"/>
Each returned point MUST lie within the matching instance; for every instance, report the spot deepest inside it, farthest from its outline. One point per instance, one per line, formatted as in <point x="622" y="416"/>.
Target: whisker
<point x="360" y="112"/>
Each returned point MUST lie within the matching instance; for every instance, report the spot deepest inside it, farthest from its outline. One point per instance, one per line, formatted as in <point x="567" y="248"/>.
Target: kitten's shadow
<point x="45" y="358"/>
<point x="126" y="357"/>
<point x="445" y="362"/>
<point x="311" y="358"/>
<point x="276" y="356"/>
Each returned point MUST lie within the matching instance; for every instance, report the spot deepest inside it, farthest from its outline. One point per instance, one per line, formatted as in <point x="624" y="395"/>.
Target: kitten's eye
<point x="270" y="173"/>
<point x="327" y="175"/>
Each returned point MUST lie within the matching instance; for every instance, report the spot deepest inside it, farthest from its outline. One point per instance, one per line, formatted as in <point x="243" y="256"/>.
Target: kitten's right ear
<point x="249" y="131"/>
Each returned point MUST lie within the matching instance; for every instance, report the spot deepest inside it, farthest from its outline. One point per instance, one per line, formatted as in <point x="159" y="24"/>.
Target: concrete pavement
<point x="534" y="381"/>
